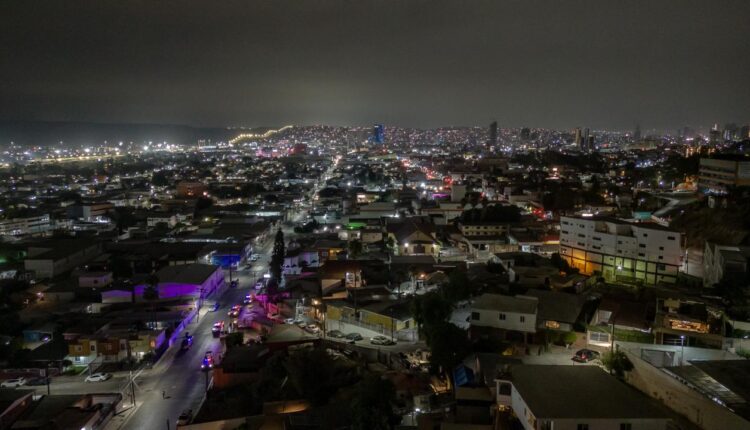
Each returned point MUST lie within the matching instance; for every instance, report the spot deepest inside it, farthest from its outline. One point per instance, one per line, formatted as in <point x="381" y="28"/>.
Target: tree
<point x="448" y="344"/>
<point x="372" y="404"/>
<point x="616" y="362"/>
<point x="458" y="287"/>
<point x="277" y="258"/>
<point x="569" y="338"/>
<point x="314" y="375"/>
<point x="430" y="310"/>
<point x="355" y="249"/>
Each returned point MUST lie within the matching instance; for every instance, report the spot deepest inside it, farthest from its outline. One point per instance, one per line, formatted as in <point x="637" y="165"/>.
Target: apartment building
<point x="35" y="225"/>
<point x="621" y="251"/>
<point x="717" y="174"/>
<point x="725" y="263"/>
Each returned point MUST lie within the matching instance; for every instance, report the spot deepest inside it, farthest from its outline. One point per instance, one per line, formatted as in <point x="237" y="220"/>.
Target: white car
<point x="313" y="328"/>
<point x="98" y="377"/>
<point x="13" y="383"/>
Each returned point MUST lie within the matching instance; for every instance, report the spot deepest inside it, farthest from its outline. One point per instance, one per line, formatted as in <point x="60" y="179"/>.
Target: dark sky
<point x="602" y="64"/>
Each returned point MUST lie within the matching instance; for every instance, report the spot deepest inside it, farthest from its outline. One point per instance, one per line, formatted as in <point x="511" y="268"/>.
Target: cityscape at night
<point x="375" y="215"/>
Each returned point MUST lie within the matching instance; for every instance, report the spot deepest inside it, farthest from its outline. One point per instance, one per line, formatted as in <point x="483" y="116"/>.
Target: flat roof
<point x="568" y="392"/>
<point x="194" y="274"/>
<point x="726" y="380"/>
<point x="498" y="302"/>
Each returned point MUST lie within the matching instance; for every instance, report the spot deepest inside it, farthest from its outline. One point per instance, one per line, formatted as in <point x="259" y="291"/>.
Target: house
<point x="512" y="318"/>
<point x="69" y="411"/>
<point x="94" y="279"/>
<point x="560" y="397"/>
<point x="558" y="311"/>
<point x="526" y="268"/>
<point x="391" y="318"/>
<point x="337" y="272"/>
<point x="240" y="365"/>
<point x="414" y="236"/>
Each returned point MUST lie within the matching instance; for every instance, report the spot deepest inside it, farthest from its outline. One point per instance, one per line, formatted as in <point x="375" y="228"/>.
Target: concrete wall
<point x="681" y="398"/>
<point x="611" y="424"/>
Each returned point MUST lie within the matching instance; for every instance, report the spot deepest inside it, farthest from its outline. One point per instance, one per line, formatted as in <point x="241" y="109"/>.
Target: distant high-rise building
<point x="378" y="133"/>
<point x="585" y="140"/>
<point x="637" y="132"/>
<point x="729" y="132"/>
<point x="590" y="143"/>
<point x="578" y="138"/>
<point x="745" y="132"/>
<point x="714" y="135"/>
<point x="493" y="134"/>
<point x="525" y="134"/>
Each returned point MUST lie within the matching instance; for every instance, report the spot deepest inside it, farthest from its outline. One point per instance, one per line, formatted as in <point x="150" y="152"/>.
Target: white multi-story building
<point x="505" y="313"/>
<point x="35" y="225"/>
<point x="621" y="251"/>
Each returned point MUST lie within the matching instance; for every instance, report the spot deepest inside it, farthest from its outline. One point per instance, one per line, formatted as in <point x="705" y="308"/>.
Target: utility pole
<point x="132" y="389"/>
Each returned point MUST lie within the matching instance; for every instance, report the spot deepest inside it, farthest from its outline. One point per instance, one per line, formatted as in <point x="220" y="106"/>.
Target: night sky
<point x="561" y="64"/>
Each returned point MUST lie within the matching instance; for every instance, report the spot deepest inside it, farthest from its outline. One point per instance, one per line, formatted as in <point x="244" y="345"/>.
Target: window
<point x="661" y="267"/>
<point x="598" y="336"/>
<point x="642" y="245"/>
<point x="640" y="254"/>
<point x="565" y="231"/>
<point x="597" y="238"/>
<point x="661" y="248"/>
<point x="582" y="427"/>
<point x="626" y="426"/>
<point x="502" y="317"/>
<point x="619" y="242"/>
<point x="475" y="316"/>
<point x="645" y="235"/>
<point x="581" y="235"/>
<point x="522" y="318"/>
<point x="661" y="257"/>
<point x="92" y="347"/>
<point x="670" y="238"/>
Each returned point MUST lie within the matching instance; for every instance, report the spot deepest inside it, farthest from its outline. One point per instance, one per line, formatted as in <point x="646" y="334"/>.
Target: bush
<point x="569" y="338"/>
<point x="617" y="362"/>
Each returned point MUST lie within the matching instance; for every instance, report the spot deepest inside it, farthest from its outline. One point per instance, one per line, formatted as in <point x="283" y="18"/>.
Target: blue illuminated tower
<point x="378" y="133"/>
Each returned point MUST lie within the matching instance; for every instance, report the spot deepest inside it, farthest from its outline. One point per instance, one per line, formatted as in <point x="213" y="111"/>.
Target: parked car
<point x="37" y="381"/>
<point x="215" y="307"/>
<point x="254" y="257"/>
<point x="233" y="284"/>
<point x="185" y="417"/>
<point x="13" y="383"/>
<point x="313" y="328"/>
<point x="248" y="299"/>
<point x="289" y="321"/>
<point x="382" y="340"/>
<point x="98" y="377"/>
<point x="354" y="336"/>
<point x="585" y="355"/>
<point x="336" y="334"/>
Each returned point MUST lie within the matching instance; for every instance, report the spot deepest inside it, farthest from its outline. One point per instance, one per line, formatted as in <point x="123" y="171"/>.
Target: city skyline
<point x="536" y="64"/>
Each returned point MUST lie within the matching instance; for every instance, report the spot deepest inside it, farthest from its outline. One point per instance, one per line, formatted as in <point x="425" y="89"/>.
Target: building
<point x="578" y="138"/>
<point x="378" y="133"/>
<point x="187" y="189"/>
<point x="54" y="257"/>
<point x="621" y="251"/>
<point x="35" y="225"/>
<point x="725" y="263"/>
<point x="510" y="317"/>
<point x="559" y="397"/>
<point x="493" y="134"/>
<point x="716" y="174"/>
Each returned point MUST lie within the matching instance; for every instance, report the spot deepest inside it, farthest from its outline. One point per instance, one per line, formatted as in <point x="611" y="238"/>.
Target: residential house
<point x="560" y="397"/>
<point x="513" y="318"/>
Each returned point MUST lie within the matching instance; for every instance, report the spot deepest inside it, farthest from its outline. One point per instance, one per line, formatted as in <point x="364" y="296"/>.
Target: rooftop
<point x="597" y="395"/>
<point x="497" y="302"/>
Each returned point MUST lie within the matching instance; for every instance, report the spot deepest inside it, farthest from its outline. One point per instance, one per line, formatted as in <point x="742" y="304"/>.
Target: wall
<point x="681" y="398"/>
<point x="611" y="424"/>
<point x="512" y="320"/>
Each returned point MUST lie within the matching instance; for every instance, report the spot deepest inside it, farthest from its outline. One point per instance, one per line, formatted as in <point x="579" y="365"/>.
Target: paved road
<point x="178" y="374"/>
